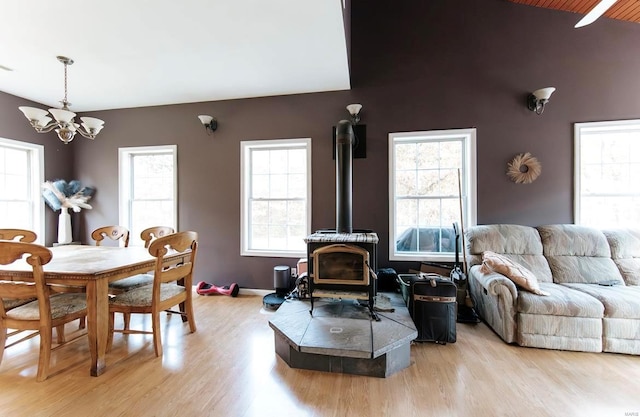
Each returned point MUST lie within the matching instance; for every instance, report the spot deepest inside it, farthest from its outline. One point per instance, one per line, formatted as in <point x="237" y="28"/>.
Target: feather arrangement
<point x="59" y="193"/>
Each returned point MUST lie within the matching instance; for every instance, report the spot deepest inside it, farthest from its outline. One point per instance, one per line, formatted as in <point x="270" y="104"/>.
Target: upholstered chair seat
<point x="61" y="305"/>
<point x="143" y="296"/>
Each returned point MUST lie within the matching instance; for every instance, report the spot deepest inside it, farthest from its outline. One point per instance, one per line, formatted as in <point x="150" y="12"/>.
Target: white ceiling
<point x="133" y="53"/>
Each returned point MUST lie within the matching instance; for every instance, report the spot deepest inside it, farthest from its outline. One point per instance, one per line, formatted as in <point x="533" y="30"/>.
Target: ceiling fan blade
<point x="595" y="13"/>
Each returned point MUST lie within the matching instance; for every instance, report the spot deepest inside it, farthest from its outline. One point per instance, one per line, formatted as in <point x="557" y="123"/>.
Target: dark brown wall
<point x="58" y="162"/>
<point x="415" y="66"/>
<point x="209" y="169"/>
<point x="471" y="63"/>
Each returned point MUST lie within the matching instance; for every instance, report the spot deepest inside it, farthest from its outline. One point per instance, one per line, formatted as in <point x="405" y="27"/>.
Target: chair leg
<point x="190" y="317"/>
<point x="3" y="341"/>
<point x="183" y="309"/>
<point x="45" y="354"/>
<point x="82" y="323"/>
<point x="157" y="339"/>
<point x="127" y="319"/>
<point x="60" y="334"/>
<point x="110" y="335"/>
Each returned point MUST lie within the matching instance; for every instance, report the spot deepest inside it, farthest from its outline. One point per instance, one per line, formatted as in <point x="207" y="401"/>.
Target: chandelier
<point x="64" y="123"/>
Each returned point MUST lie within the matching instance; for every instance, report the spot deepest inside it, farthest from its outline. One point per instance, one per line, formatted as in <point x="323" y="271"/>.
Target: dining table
<point x="91" y="268"/>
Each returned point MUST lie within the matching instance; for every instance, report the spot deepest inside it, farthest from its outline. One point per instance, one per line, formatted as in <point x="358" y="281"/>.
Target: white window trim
<point x="591" y="127"/>
<point x="36" y="153"/>
<point x="245" y="147"/>
<point x="124" y="183"/>
<point x="468" y="182"/>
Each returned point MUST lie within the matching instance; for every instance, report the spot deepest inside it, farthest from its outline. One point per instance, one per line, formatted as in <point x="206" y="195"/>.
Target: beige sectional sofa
<point x="572" y="264"/>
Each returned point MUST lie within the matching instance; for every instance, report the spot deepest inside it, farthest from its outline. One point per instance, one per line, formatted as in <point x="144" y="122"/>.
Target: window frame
<point x="585" y="128"/>
<point x="246" y="147"/>
<point x="35" y="154"/>
<point x="125" y="183"/>
<point x="468" y="184"/>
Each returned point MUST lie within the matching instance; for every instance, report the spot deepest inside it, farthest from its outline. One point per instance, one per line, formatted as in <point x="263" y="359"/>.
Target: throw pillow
<point x="521" y="276"/>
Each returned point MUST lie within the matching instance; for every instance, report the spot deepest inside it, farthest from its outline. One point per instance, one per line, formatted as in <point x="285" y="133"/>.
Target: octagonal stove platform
<point x="341" y="337"/>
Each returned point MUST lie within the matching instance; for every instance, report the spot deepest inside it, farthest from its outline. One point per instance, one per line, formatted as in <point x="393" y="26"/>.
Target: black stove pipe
<point x="344" y="184"/>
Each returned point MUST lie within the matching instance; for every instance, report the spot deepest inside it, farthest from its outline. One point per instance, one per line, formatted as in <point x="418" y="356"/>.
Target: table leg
<point x="97" y="323"/>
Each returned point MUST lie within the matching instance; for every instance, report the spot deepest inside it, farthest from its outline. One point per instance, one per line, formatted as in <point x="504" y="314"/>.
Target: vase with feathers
<point x="62" y="195"/>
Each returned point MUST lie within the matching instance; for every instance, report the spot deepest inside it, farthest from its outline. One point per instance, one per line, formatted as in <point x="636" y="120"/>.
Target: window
<point x="148" y="189"/>
<point x="607" y="169"/>
<point x="276" y="197"/>
<point x="426" y="194"/>
<point x="21" y="175"/>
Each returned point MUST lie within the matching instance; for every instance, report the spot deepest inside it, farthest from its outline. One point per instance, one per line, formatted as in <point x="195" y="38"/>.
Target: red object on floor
<point x="204" y="288"/>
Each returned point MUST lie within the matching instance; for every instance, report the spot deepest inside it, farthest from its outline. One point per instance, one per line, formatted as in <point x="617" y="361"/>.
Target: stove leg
<point x="372" y="309"/>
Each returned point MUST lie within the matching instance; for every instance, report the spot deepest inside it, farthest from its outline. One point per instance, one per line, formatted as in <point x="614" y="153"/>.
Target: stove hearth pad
<point x="340" y="336"/>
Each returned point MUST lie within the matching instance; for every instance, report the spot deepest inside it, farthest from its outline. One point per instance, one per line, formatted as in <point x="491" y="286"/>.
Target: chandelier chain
<point x="65" y="102"/>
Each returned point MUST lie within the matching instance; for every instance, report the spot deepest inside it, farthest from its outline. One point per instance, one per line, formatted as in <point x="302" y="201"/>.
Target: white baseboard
<point x="248" y="291"/>
<point x="254" y="291"/>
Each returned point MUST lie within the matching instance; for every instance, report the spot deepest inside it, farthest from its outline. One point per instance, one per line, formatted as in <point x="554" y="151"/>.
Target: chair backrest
<point x="23" y="235"/>
<point x="148" y="235"/>
<point x="181" y="269"/>
<point x="38" y="256"/>
<point x="116" y="233"/>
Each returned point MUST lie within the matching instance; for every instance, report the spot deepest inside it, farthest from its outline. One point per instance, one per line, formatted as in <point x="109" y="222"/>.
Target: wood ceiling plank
<point x="634" y="16"/>
<point x="622" y="10"/>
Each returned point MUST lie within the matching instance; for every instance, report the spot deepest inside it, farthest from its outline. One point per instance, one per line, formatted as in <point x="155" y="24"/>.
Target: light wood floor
<point x="229" y="368"/>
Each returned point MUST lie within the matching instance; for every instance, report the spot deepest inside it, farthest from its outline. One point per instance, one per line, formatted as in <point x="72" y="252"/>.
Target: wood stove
<point x="342" y="265"/>
<point x="342" y="262"/>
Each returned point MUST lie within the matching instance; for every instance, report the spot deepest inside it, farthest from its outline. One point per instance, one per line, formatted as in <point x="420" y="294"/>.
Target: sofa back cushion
<point x="625" y="252"/>
<point x="521" y="244"/>
<point x="578" y="254"/>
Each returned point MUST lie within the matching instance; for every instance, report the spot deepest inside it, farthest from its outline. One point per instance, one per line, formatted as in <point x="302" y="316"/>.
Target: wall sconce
<point x="209" y="123"/>
<point x="354" y="111"/>
<point x="537" y="100"/>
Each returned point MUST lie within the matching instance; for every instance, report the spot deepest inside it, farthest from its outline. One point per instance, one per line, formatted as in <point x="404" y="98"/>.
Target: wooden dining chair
<point x="21" y="235"/>
<point x="151" y="233"/>
<point x="118" y="234"/>
<point x="24" y="235"/>
<point x="172" y="285"/>
<point x="49" y="310"/>
<point x="121" y="234"/>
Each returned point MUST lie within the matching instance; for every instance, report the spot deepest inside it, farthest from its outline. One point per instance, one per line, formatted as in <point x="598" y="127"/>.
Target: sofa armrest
<point x="495" y="284"/>
<point x="495" y="297"/>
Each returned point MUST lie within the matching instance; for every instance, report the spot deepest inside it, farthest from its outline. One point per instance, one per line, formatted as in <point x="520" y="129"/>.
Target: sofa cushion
<point x="493" y="262"/>
<point x="561" y="301"/>
<point x="578" y="254"/>
<point x="619" y="301"/>
<point x="521" y="244"/>
<point x="560" y="332"/>
<point x="625" y="252"/>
